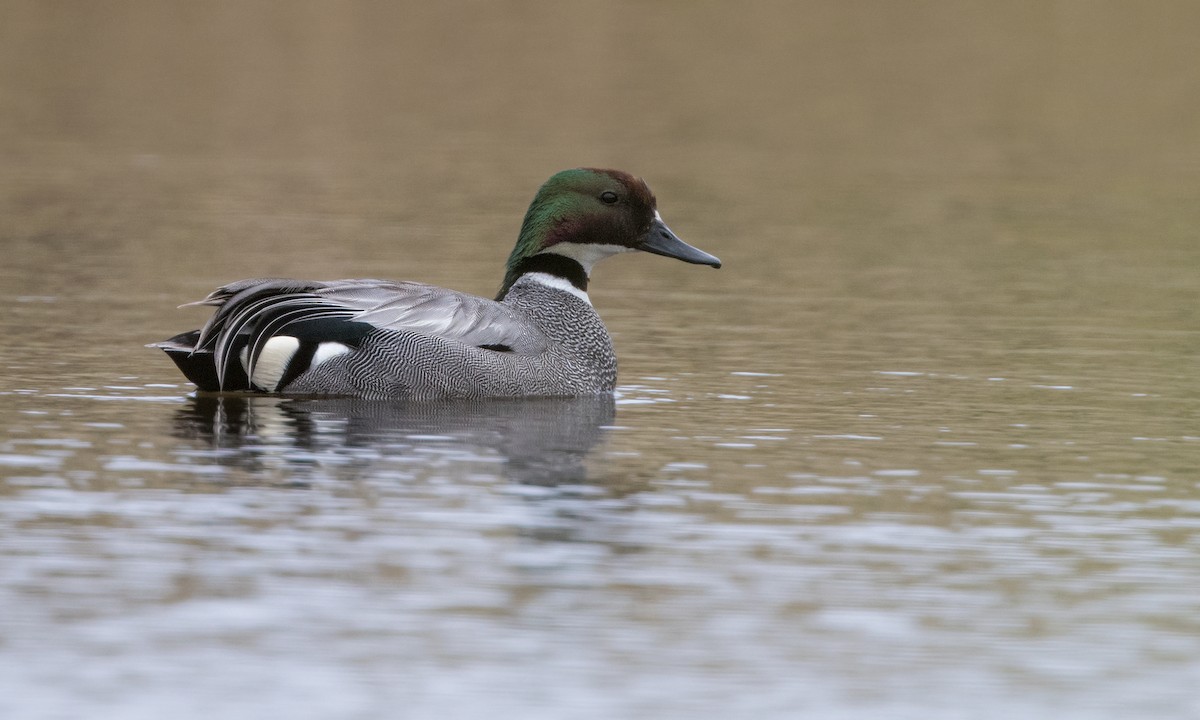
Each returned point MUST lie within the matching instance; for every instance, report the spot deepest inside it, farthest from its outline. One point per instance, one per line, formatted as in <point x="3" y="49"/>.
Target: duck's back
<point x="576" y="357"/>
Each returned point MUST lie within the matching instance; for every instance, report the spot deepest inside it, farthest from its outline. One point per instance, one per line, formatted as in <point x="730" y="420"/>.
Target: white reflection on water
<point x="333" y="558"/>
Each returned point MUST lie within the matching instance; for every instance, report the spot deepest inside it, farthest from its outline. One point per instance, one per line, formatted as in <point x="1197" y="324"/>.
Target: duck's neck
<point x="551" y="269"/>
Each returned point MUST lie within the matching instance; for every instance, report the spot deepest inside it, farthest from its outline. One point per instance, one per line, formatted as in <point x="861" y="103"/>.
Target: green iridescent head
<point x="607" y="209"/>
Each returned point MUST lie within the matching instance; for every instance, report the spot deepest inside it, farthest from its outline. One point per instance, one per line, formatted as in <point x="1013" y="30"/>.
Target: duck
<point x="381" y="339"/>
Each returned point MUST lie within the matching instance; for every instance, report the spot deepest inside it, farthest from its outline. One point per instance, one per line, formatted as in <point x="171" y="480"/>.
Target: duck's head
<point x="586" y="214"/>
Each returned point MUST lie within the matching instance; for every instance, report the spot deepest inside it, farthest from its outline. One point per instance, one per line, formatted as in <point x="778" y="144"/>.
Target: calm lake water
<point x="926" y="447"/>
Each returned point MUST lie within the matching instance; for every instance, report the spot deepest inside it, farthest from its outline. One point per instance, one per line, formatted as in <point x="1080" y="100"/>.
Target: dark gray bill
<point x="661" y="241"/>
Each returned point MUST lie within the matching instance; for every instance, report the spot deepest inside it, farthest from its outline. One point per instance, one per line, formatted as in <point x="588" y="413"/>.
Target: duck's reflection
<point x="542" y="441"/>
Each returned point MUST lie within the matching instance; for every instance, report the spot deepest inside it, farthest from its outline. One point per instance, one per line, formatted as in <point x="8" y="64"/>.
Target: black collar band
<point x="556" y="265"/>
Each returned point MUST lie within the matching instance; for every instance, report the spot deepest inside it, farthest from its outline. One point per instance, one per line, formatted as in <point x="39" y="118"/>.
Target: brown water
<point x="926" y="446"/>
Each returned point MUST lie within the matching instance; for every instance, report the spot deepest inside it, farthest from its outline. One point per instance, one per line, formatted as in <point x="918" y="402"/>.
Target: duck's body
<point x="380" y="339"/>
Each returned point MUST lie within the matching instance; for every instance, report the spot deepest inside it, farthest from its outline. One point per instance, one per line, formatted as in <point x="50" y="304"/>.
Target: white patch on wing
<point x="273" y="361"/>
<point x="586" y="254"/>
<point x="558" y="283"/>
<point x="328" y="351"/>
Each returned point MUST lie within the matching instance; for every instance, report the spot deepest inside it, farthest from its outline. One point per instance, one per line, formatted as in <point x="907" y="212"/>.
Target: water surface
<point x="925" y="447"/>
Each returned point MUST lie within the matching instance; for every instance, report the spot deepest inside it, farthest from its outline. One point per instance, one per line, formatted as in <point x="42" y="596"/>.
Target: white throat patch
<point x="558" y="283"/>
<point x="586" y="254"/>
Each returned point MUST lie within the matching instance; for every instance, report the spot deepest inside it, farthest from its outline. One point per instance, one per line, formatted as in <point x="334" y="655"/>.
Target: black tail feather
<point x="199" y="366"/>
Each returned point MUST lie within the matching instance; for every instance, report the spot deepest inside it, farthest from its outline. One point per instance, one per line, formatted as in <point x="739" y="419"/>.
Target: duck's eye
<point x="608" y="197"/>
